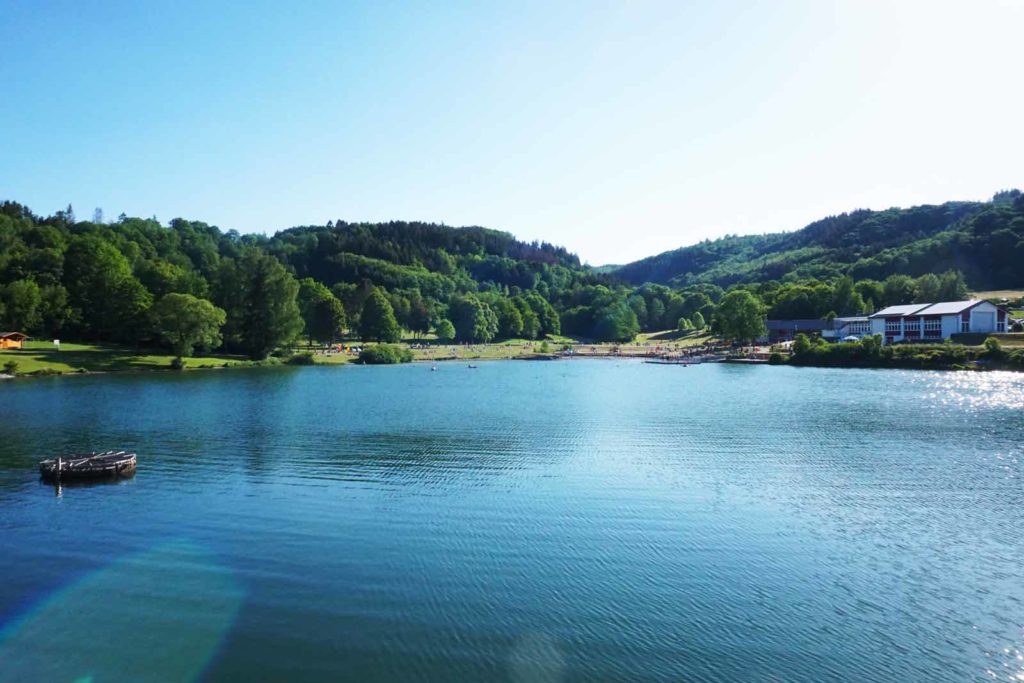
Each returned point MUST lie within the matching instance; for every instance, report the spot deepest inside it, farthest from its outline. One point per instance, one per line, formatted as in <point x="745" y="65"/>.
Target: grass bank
<point x="41" y="358"/>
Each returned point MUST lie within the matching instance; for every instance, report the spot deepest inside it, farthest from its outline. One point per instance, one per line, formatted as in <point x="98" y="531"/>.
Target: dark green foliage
<point x="530" y="321"/>
<point x="801" y="344"/>
<point x="445" y="330"/>
<point x="322" y="313"/>
<point x="377" y="321"/>
<point x="474" y="320"/>
<point x="739" y="316"/>
<point x="869" y="352"/>
<point x="111" y="302"/>
<point x="177" y="363"/>
<point x="616" y="323"/>
<point x="11" y="367"/>
<point x="304" y="358"/>
<point x="510" y="320"/>
<point x="185" y="322"/>
<point x="776" y="358"/>
<point x="263" y="314"/>
<point x="385" y="354"/>
<point x="993" y="349"/>
<point x="983" y="240"/>
<point x="98" y="281"/>
<point x="22" y="305"/>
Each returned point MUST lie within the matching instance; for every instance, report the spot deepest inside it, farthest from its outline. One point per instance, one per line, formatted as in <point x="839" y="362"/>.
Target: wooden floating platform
<point x="671" y="361"/>
<point x="82" y="466"/>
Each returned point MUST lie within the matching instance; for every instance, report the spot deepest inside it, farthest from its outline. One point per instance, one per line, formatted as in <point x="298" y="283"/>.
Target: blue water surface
<point x="570" y="521"/>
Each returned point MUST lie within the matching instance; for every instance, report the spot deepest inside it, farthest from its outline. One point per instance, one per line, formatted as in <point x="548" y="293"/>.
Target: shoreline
<point x="124" y="361"/>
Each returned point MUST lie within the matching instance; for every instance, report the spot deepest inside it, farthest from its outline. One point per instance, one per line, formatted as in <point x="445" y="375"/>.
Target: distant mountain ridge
<point x="984" y="240"/>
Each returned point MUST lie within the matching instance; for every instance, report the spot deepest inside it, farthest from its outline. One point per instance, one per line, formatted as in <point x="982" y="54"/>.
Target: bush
<point x="177" y="363"/>
<point x="11" y="367"/>
<point x="304" y="358"/>
<point x="801" y="344"/>
<point x="776" y="358"/>
<point x="544" y="348"/>
<point x="385" y="354"/>
<point x="993" y="349"/>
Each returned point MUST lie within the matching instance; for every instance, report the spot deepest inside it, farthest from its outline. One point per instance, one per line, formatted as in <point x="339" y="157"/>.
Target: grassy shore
<point x="651" y="343"/>
<point x="40" y="358"/>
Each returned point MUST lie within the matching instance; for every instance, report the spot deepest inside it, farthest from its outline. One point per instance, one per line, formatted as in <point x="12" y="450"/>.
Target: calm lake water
<point x="566" y="521"/>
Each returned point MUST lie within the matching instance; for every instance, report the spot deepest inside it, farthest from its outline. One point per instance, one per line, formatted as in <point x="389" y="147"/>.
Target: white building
<point x="936" y="322"/>
<point x="842" y="328"/>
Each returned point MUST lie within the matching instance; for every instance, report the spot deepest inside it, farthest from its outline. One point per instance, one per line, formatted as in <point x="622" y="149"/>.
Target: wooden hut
<point x="12" y="340"/>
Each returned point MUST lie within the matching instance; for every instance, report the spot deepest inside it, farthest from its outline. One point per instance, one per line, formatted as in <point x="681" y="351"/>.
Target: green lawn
<point x="675" y="338"/>
<point x="42" y="356"/>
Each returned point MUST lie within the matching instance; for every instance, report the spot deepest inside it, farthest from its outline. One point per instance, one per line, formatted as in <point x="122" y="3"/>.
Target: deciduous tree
<point x="186" y="322"/>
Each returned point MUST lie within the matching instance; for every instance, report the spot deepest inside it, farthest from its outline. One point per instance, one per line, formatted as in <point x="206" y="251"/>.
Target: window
<point x="893" y="326"/>
<point x="933" y="326"/>
<point x="860" y="327"/>
<point x="965" y="325"/>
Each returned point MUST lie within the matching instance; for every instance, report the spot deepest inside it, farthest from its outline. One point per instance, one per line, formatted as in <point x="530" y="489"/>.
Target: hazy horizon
<point x="617" y="131"/>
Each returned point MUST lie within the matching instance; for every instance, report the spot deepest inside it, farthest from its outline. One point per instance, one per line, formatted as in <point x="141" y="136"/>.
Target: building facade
<point x="937" y="322"/>
<point x="12" y="340"/>
<point x="842" y="328"/>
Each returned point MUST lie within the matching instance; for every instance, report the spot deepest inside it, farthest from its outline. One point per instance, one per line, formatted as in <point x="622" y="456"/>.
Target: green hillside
<point x="983" y="240"/>
<point x="189" y="285"/>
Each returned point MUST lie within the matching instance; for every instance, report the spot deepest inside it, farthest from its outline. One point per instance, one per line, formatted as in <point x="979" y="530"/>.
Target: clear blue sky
<point x="616" y="129"/>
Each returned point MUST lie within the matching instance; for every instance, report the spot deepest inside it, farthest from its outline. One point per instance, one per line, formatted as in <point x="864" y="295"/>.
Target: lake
<point x="524" y="521"/>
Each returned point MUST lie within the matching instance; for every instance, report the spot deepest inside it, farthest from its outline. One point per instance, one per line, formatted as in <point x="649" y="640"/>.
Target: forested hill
<point x="983" y="240"/>
<point x="189" y="285"/>
<point x="108" y="281"/>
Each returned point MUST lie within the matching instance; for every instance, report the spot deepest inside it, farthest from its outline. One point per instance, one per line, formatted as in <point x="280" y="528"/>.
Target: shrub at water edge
<point x="385" y="354"/>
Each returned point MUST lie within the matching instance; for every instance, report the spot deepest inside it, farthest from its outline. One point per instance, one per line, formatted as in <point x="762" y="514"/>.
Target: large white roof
<point x="941" y="308"/>
<point x="949" y="307"/>
<point x="904" y="309"/>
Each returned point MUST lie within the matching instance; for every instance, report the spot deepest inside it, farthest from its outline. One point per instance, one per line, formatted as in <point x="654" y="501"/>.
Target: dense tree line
<point x="189" y="285"/>
<point x="983" y="240"/>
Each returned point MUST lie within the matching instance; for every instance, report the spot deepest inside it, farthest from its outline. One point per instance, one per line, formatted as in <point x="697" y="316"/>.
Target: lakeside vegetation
<point x="869" y="352"/>
<point x="140" y="294"/>
<point x="983" y="240"/>
<point x="42" y="358"/>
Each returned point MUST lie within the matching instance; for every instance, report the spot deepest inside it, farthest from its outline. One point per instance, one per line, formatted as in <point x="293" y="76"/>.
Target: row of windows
<point x="914" y="327"/>
<point x="859" y="328"/>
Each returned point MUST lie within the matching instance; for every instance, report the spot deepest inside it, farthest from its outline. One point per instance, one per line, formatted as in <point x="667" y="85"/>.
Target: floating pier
<point x="84" y="466"/>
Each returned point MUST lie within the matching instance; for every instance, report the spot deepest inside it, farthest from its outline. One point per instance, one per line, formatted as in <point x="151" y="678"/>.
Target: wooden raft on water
<point x="105" y="465"/>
